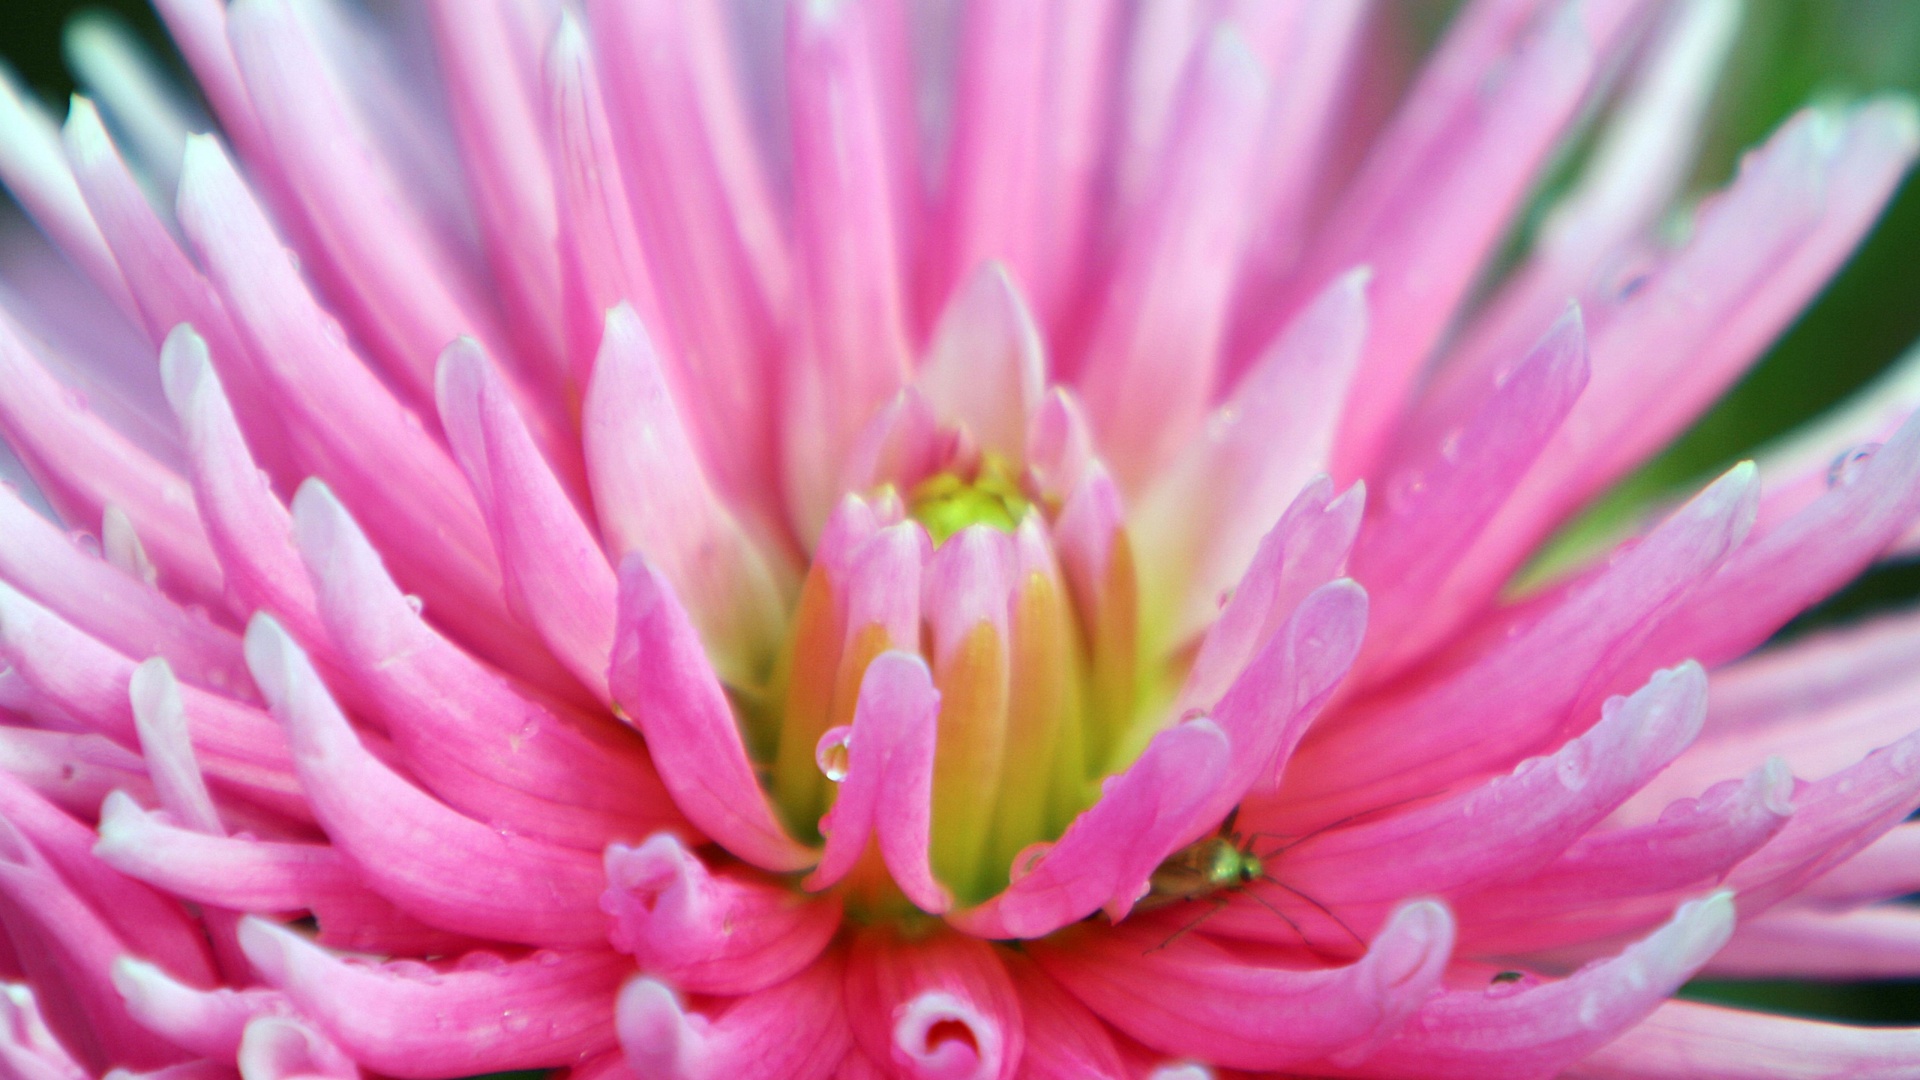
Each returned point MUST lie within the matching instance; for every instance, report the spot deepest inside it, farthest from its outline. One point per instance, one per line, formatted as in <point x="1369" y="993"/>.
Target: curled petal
<point x="286" y="1048"/>
<point x="725" y="933"/>
<point x="935" y="1009"/>
<point x="795" y="1030"/>
<point x="210" y="1022"/>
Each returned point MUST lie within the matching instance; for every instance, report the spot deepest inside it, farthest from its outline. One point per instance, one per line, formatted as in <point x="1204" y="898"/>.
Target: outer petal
<point x="663" y="681"/>
<point x="710" y="933"/>
<point x="1191" y="997"/>
<point x="796" y="1030"/>
<point x="449" y="870"/>
<point x="1881" y="942"/>
<point x="1683" y="1040"/>
<point x="1064" y="1040"/>
<point x="1534" y="1032"/>
<point x="483" y="1014"/>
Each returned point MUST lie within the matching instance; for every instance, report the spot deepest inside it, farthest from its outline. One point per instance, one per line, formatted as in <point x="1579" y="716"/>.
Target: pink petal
<point x="210" y="1022"/>
<point x="83" y="466"/>
<point x="1886" y="869"/>
<point x="663" y="681"/>
<point x="1438" y="495"/>
<point x="1510" y="825"/>
<point x="942" y="1008"/>
<point x="652" y="495"/>
<point x="1105" y="858"/>
<point x="1538" y="1030"/>
<point x="1065" y="1041"/>
<point x="28" y="1048"/>
<point x="284" y="1048"/>
<point x="37" y="176"/>
<point x="1402" y="744"/>
<point x="886" y="795"/>
<point x="1155" y="345"/>
<point x="1684" y="1040"/>
<point x="557" y="579"/>
<point x="39" y="559"/>
<point x="1609" y="881"/>
<point x="710" y="933"/>
<point x="1191" y="997"/>
<point x="1881" y="942"/>
<point x="74" y="772"/>
<point x="484" y="746"/>
<point x="482" y="1013"/>
<point x="448" y="870"/>
<point x="1199" y="526"/>
<point x="985" y="367"/>
<point x="796" y="1030"/>
<point x="855" y="351"/>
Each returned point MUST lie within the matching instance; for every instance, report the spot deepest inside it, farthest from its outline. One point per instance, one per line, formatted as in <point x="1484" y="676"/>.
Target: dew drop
<point x="85" y="541"/>
<point x="833" y="752"/>
<point x="1450" y="446"/>
<point x="1509" y="983"/>
<point x="515" y="1021"/>
<point x="1847" y="468"/>
<point x="415" y="604"/>
<point x="546" y="958"/>
<point x="1403" y="491"/>
<point x="76" y="398"/>
<point x="1028" y="860"/>
<point x="482" y="961"/>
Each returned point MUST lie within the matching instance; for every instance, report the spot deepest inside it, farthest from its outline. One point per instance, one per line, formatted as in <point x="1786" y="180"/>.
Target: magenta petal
<point x="28" y="1048"/>
<point x="448" y="870"/>
<point x="887" y="792"/>
<point x="1065" y="1041"/>
<point x="796" y="1030"/>
<point x="1105" y="858"/>
<point x="557" y="578"/>
<point x="1192" y="997"/>
<point x="285" y="1048"/>
<point x="710" y="933"/>
<point x="480" y="1014"/>
<point x="663" y="681"/>
<point x="1534" y="1031"/>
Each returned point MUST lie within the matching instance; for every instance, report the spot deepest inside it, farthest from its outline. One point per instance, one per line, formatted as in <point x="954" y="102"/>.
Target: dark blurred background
<point x="1790" y="52"/>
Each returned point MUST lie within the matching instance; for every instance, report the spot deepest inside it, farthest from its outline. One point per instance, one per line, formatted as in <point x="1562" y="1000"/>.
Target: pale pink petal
<point x="796" y="1030"/>
<point x="710" y="933"/>
<point x="467" y="733"/>
<point x="853" y="321"/>
<point x="886" y="794"/>
<point x="28" y="1049"/>
<point x="36" y="174"/>
<point x="1482" y="1033"/>
<point x="1685" y="1040"/>
<point x="1510" y="825"/>
<point x="1199" y="525"/>
<point x="1437" y="496"/>
<point x="943" y="1008"/>
<point x="1403" y="744"/>
<point x="479" y="1013"/>
<point x="39" y="559"/>
<point x="74" y="772"/>
<point x="209" y="1022"/>
<point x="668" y="690"/>
<point x="558" y="580"/>
<point x="285" y="1048"/>
<point x="160" y="719"/>
<point x="1597" y="887"/>
<point x="652" y="495"/>
<point x="985" y="366"/>
<point x="1881" y="942"/>
<point x="1150" y="364"/>
<point x="1192" y="997"/>
<point x="446" y="869"/>
<point x="1886" y="869"/>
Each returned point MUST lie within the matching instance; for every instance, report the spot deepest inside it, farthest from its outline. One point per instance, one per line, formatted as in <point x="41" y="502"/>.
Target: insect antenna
<point x="1317" y="906"/>
<point x="1219" y="904"/>
<point x="1292" y="840"/>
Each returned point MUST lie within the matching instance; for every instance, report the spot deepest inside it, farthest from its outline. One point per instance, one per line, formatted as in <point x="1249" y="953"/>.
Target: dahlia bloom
<point x="681" y="541"/>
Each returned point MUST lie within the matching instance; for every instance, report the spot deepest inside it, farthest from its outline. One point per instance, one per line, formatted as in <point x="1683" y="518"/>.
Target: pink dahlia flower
<point x="675" y="541"/>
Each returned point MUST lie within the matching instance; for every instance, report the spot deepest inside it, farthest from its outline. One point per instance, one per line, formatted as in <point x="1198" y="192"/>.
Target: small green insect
<point x="1222" y="866"/>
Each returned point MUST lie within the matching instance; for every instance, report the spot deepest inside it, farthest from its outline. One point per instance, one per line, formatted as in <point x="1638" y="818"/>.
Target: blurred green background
<point x="1790" y="52"/>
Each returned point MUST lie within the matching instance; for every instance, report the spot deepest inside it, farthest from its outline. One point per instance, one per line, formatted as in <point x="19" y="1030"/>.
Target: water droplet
<point x="546" y="958"/>
<point x="1847" y="468"/>
<point x="86" y="541"/>
<point x="1028" y="860"/>
<point x="76" y="398"/>
<point x="1632" y="284"/>
<point x="415" y="604"/>
<point x="833" y="753"/>
<point x="481" y="961"/>
<point x="1403" y="491"/>
<point x="1450" y="446"/>
<point x="515" y="1021"/>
